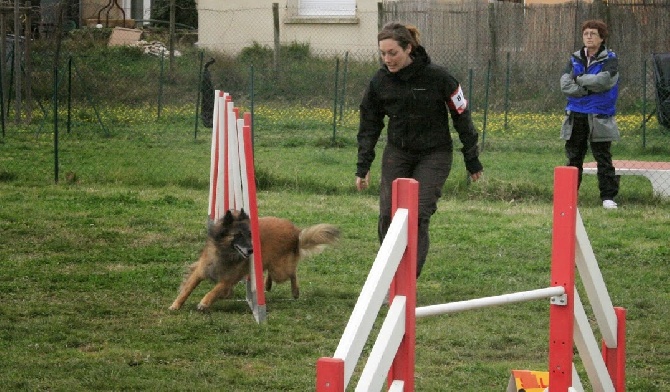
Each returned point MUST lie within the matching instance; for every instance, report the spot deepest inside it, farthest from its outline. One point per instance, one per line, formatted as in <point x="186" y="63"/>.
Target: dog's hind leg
<point x="223" y="289"/>
<point x="295" y="289"/>
<point x="268" y="283"/>
<point x="186" y="289"/>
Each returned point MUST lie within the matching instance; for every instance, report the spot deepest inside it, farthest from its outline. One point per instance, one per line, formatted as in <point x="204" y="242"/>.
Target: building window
<point x="326" y="8"/>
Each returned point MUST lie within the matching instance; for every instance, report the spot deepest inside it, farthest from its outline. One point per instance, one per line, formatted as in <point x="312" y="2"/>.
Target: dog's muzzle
<point x="243" y="250"/>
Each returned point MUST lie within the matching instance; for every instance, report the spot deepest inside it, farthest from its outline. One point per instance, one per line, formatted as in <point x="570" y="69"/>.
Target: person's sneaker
<point x="609" y="204"/>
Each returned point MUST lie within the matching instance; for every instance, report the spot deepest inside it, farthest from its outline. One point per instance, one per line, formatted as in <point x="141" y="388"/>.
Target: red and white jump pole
<point x="568" y="323"/>
<point x="406" y="196"/>
<point x="393" y="272"/>
<point x="562" y="310"/>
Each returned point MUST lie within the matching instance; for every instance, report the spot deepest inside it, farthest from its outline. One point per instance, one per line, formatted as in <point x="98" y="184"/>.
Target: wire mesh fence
<point x="123" y="88"/>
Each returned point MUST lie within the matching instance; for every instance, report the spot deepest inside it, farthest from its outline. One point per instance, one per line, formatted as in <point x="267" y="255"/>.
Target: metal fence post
<point x="486" y="102"/>
<point x="55" y="103"/>
<point x="644" y="104"/>
<point x="337" y="75"/>
<point x="507" y="89"/>
<point x="160" y="86"/>
<point x="198" y="97"/>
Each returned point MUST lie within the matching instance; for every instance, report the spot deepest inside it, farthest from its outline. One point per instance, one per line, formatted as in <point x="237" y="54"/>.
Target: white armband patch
<point x="458" y="101"/>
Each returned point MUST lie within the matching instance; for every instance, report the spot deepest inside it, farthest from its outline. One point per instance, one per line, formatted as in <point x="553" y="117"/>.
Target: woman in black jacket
<point x="417" y="97"/>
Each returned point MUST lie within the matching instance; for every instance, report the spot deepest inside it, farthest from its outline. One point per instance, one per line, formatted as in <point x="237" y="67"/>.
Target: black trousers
<point x="431" y="171"/>
<point x="575" y="151"/>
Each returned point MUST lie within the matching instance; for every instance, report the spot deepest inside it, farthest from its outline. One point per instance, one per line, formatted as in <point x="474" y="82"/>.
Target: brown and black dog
<point x="225" y="258"/>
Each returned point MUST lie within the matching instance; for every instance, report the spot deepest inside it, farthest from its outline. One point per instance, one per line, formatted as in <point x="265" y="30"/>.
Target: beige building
<point x="329" y="26"/>
<point x="112" y="13"/>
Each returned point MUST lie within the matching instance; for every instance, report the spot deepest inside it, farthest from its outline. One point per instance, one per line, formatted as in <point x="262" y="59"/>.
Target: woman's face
<point x="393" y="55"/>
<point x="592" y="39"/>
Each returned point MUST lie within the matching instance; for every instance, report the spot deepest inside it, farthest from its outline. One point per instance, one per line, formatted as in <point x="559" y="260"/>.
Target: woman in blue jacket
<point x="418" y="97"/>
<point x="591" y="84"/>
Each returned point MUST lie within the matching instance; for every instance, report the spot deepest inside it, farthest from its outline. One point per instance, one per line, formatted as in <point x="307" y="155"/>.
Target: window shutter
<point x="327" y="7"/>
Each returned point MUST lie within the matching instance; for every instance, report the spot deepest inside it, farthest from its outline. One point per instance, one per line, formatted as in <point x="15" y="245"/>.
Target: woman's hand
<point x="475" y="176"/>
<point x="363" y="183"/>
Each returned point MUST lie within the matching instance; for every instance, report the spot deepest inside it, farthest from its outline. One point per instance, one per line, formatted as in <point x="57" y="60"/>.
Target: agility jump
<point x="393" y="354"/>
<point x="232" y="185"/>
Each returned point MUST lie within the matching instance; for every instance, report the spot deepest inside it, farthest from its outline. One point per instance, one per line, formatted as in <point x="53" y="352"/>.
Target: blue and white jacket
<point x="592" y="88"/>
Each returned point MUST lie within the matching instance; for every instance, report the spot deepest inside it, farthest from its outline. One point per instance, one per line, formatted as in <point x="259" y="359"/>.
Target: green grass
<point x="90" y="264"/>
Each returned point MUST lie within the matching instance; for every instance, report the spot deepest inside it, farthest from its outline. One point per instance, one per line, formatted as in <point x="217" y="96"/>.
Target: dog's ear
<point x="216" y="229"/>
<point x="243" y="215"/>
<point x="228" y="218"/>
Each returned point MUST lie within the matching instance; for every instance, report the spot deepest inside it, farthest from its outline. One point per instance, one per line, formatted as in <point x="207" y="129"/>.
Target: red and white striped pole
<point x="406" y="195"/>
<point x="562" y="311"/>
<point x="226" y="154"/>
<point x="214" y="164"/>
<point x="615" y="358"/>
<point x="253" y="209"/>
<point x="233" y="182"/>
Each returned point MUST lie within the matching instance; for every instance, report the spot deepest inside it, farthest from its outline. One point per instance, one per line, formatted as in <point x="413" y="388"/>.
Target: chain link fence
<point x="507" y="57"/>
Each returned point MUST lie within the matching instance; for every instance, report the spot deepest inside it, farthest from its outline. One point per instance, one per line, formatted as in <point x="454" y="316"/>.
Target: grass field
<point x="90" y="265"/>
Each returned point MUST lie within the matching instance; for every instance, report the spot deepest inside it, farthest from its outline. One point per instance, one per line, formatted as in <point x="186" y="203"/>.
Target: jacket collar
<point x="581" y="54"/>
<point x="420" y="60"/>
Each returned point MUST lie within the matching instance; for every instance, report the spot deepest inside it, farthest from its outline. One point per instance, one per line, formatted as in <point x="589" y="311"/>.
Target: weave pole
<point x="214" y="163"/>
<point x="233" y="186"/>
<point x="255" y="288"/>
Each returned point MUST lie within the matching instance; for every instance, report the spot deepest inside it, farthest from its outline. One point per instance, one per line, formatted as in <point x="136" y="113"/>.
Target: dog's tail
<point x="314" y="239"/>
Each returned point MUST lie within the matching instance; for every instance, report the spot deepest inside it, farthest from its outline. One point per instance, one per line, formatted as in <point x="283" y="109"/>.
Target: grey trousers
<point x="431" y="171"/>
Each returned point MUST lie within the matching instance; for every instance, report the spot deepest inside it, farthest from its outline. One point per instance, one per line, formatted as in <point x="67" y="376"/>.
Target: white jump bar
<point x="521" y="296"/>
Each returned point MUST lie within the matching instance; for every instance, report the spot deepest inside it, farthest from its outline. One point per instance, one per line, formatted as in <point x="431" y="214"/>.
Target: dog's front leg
<point x="222" y="290"/>
<point x="186" y="289"/>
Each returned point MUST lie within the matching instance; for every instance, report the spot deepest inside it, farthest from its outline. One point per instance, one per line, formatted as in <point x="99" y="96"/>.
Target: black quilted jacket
<point x="416" y="100"/>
